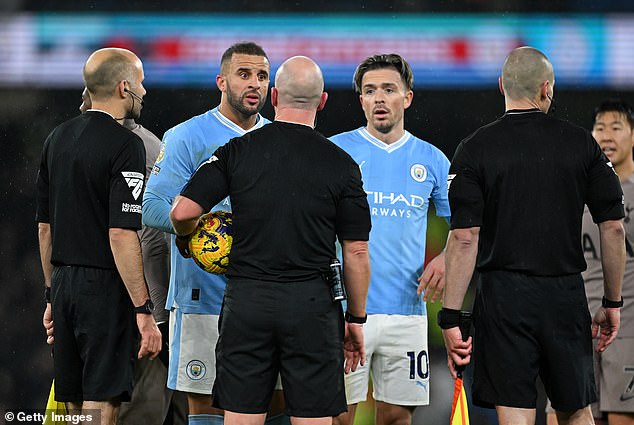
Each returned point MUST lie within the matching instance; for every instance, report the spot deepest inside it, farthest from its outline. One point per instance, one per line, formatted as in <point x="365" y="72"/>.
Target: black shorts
<point x="95" y="335"/>
<point x="527" y="326"/>
<point x="293" y="329"/>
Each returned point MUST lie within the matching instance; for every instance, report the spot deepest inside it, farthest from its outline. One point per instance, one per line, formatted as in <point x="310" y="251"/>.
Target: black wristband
<point x="47" y="294"/>
<point x="146" y="308"/>
<point x="606" y="303"/>
<point x="355" y="319"/>
<point x="448" y="318"/>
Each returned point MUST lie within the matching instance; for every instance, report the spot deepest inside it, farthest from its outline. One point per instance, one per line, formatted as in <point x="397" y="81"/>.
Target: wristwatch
<point x="606" y="303"/>
<point x="355" y="319"/>
<point x="448" y="318"/>
<point x="146" y="308"/>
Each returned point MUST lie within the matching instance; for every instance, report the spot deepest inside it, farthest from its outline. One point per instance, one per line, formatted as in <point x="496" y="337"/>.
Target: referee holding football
<point x="517" y="198"/>
<point x="91" y="178"/>
<point x="293" y="193"/>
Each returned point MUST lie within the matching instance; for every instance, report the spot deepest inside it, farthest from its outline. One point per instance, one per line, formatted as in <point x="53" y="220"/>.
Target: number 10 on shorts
<point x="418" y="364"/>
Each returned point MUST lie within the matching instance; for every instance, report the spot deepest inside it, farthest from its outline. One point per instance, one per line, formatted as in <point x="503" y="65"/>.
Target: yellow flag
<point x="54" y="409"/>
<point x="459" y="409"/>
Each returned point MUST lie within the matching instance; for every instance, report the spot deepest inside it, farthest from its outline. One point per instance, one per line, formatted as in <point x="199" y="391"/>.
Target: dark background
<point x="442" y="117"/>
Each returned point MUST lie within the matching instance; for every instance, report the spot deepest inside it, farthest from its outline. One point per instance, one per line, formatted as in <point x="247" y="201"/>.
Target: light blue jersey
<point x="399" y="179"/>
<point x="184" y="148"/>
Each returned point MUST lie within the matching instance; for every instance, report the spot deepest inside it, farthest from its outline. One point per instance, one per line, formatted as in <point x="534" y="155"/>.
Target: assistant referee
<point x="517" y="198"/>
<point x="292" y="192"/>
<point x="89" y="191"/>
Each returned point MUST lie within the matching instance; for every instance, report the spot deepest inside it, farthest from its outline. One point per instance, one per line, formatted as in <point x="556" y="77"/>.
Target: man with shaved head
<point x="517" y="195"/>
<point x="293" y="193"/>
<point x="88" y="211"/>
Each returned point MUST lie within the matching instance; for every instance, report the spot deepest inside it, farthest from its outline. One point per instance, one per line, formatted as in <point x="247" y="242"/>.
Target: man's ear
<point x="220" y="82"/>
<point x="322" y="101"/>
<point x="501" y="87"/>
<point x="274" y="94"/>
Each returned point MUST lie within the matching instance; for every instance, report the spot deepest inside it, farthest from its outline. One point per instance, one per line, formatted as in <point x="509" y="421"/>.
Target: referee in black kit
<point x="517" y="198"/>
<point x="292" y="192"/>
<point x="89" y="190"/>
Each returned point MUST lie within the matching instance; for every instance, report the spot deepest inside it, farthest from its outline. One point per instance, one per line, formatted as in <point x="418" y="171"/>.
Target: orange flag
<point x="459" y="409"/>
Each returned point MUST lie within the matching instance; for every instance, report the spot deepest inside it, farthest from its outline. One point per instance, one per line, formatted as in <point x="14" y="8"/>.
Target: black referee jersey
<point x="524" y="180"/>
<point x="90" y="179"/>
<point x="292" y="193"/>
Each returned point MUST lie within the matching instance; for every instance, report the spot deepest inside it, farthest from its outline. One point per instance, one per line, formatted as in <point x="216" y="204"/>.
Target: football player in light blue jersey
<point x="195" y="296"/>
<point x="401" y="174"/>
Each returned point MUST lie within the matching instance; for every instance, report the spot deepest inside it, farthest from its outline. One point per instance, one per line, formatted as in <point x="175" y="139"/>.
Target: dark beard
<point x="238" y="104"/>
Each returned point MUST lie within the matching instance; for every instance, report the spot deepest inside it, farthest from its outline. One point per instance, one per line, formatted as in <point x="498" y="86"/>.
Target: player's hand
<point x="432" y="281"/>
<point x="605" y="326"/>
<point x="47" y="321"/>
<point x="458" y="351"/>
<point x="182" y="243"/>
<point x="353" y="347"/>
<point x="150" y="336"/>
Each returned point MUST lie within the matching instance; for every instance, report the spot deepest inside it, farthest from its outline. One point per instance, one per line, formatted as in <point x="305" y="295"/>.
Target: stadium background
<point x="455" y="47"/>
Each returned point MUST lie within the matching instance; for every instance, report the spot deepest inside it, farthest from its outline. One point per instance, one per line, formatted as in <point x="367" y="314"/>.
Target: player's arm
<point x="126" y="251"/>
<point x="460" y="258"/>
<point x="606" y="321"/>
<point x="46" y="248"/>
<point x="156" y="211"/>
<point x="174" y="167"/>
<point x="432" y="281"/>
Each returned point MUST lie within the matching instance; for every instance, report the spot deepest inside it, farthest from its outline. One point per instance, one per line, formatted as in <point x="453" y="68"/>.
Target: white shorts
<point x="616" y="382"/>
<point x="398" y="360"/>
<point x="192" y="359"/>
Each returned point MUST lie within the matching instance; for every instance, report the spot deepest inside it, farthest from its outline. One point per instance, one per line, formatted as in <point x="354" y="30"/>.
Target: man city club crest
<point x="418" y="172"/>
<point x="196" y="370"/>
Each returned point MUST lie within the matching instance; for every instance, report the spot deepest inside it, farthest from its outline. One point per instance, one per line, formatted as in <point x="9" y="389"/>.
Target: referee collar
<point x="522" y="111"/>
<point x="104" y="112"/>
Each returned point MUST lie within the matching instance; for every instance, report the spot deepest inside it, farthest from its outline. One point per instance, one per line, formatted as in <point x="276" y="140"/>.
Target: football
<point x="210" y="243"/>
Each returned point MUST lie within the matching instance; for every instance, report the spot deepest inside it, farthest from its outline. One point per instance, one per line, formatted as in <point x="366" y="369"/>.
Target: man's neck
<point x="115" y="111"/>
<point x="522" y="104"/>
<point x="395" y="134"/>
<point x="242" y="121"/>
<point x="625" y="170"/>
<point x="296" y="116"/>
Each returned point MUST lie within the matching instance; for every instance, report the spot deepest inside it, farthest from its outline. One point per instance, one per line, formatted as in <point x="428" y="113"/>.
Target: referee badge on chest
<point x="418" y="172"/>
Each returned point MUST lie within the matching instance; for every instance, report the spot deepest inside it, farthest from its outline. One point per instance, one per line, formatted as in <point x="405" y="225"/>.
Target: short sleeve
<point x="440" y="192"/>
<point x="174" y="164"/>
<point x="210" y="183"/>
<point x="604" y="193"/>
<point x="353" y="212"/>
<point x="42" y="209"/>
<point x="127" y="177"/>
<point x="466" y="198"/>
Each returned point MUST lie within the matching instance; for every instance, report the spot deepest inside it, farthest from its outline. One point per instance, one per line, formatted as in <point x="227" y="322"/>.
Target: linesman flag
<point x="55" y="410"/>
<point x="459" y="409"/>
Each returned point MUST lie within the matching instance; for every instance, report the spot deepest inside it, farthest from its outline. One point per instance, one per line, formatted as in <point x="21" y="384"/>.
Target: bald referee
<point x="89" y="190"/>
<point x="293" y="193"/>
<point x="517" y="195"/>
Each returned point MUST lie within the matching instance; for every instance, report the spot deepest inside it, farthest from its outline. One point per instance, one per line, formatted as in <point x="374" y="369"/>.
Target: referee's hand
<point x="458" y="351"/>
<point x="150" y="336"/>
<point x="47" y="321"/>
<point x="353" y="347"/>
<point x="605" y="326"/>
